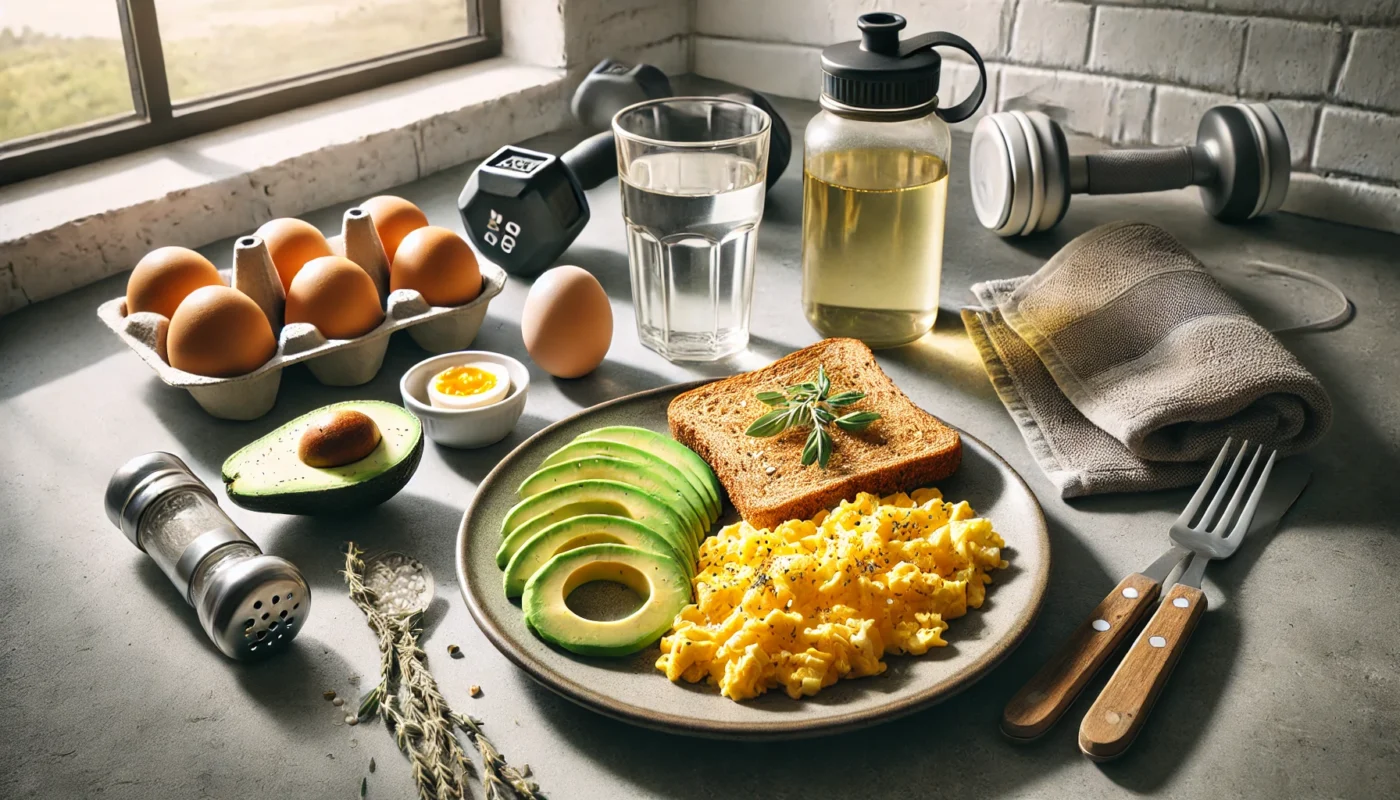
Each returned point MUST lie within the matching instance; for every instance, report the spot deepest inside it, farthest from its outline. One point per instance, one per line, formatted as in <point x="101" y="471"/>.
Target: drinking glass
<point x="692" y="171"/>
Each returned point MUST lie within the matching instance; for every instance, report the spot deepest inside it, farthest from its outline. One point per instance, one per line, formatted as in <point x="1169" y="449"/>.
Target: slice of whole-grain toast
<point x="764" y="477"/>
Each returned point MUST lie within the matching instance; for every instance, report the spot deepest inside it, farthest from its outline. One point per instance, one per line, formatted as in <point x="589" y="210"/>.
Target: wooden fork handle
<point x="1045" y="697"/>
<point x="1117" y="716"/>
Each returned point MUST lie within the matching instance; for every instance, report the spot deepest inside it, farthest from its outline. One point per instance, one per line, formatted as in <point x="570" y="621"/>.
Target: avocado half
<point x="266" y="475"/>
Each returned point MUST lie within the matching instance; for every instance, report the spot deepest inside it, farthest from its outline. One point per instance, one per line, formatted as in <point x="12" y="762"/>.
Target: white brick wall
<point x="599" y="29"/>
<point x="1299" y="119"/>
<point x="1132" y="72"/>
<point x="766" y="20"/>
<point x="1365" y="143"/>
<point x="1052" y="34"/>
<point x="1284" y="57"/>
<point x="1354" y="202"/>
<point x="1106" y="108"/>
<point x="958" y="81"/>
<point x="1371" y="74"/>
<point x="773" y="67"/>
<point x="580" y="33"/>
<point x="1344" y="10"/>
<point x="1178" y="47"/>
<point x="984" y="23"/>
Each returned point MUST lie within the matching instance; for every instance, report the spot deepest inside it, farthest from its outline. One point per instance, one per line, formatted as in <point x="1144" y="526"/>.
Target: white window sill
<point x="66" y="230"/>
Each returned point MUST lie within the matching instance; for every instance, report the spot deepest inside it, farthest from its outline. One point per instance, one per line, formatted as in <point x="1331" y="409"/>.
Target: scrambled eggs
<point x="814" y="601"/>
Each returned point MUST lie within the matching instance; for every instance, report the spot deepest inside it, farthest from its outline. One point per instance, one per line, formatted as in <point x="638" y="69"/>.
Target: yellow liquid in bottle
<point x="872" y="243"/>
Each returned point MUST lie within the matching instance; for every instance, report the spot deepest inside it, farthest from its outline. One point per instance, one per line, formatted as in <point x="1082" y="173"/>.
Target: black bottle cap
<point x="881" y="76"/>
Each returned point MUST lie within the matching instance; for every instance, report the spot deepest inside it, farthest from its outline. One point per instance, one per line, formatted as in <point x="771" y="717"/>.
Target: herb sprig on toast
<point x="811" y="403"/>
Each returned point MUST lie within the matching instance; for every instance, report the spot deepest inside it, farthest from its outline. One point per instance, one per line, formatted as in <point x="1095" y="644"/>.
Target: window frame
<point x="156" y="120"/>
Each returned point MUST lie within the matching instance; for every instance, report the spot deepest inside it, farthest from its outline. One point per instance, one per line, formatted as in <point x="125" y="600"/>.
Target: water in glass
<point x="692" y="224"/>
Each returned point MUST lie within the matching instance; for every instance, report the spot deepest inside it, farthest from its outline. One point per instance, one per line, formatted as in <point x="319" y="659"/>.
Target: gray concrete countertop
<point x="1289" y="687"/>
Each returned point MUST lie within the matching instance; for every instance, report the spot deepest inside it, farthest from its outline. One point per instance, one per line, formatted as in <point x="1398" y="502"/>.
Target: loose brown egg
<point x="336" y="438"/>
<point x="567" y="322"/>
<point x="166" y="276"/>
<point x="394" y="218"/>
<point x="438" y="264"/>
<point x="336" y="296"/>
<point x="219" y="332"/>
<point x="292" y="243"/>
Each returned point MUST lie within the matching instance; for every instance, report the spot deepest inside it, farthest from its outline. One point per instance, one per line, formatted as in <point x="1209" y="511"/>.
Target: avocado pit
<point x="375" y="460"/>
<point x="338" y="437"/>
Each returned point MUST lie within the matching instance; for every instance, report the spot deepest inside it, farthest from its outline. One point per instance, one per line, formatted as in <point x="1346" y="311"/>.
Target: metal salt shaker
<point x="249" y="604"/>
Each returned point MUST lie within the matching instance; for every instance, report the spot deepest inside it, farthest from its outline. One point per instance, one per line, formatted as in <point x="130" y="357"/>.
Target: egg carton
<point x="334" y="362"/>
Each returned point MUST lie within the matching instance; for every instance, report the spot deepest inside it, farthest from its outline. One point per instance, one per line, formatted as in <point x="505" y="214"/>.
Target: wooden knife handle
<point x="1045" y="697"/>
<point x="1117" y="716"/>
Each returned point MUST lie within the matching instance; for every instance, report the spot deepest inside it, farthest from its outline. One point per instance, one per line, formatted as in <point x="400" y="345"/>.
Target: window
<point x="83" y="80"/>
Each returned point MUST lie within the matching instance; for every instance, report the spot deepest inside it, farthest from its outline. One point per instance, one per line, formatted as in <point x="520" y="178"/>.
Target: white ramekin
<point x="467" y="427"/>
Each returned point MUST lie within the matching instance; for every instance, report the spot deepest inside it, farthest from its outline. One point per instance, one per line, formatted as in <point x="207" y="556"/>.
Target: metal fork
<point x="1049" y="694"/>
<point x="1117" y="716"/>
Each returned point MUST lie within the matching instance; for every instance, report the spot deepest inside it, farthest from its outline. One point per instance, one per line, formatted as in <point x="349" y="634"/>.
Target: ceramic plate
<point x="633" y="690"/>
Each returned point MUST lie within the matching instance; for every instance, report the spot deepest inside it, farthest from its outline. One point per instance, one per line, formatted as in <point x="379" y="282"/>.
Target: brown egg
<point x="166" y="276"/>
<point x="438" y="264"/>
<point x="394" y="218"/>
<point x="219" y="332"/>
<point x="292" y="243"/>
<point x="567" y="322"/>
<point x="338" y="437"/>
<point x="336" y="296"/>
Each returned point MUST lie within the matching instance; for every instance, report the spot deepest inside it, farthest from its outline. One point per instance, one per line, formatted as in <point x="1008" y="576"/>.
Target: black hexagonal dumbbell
<point x="523" y="208"/>
<point x="613" y="85"/>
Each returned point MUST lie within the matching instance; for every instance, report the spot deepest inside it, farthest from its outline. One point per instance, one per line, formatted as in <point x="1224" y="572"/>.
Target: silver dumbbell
<point x="1023" y="174"/>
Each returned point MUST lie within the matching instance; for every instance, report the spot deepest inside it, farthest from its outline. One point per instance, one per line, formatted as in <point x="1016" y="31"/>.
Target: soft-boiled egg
<point x="475" y="385"/>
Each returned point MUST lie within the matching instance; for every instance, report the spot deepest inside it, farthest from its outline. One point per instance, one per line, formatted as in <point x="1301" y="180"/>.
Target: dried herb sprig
<point x="811" y="403"/>
<point x="408" y="700"/>
<point x="497" y="768"/>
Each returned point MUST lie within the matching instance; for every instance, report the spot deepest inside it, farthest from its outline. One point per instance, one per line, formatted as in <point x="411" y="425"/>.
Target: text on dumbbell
<point x="493" y="232"/>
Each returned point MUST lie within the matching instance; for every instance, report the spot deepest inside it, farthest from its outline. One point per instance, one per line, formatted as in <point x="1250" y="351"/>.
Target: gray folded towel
<point x="1125" y="365"/>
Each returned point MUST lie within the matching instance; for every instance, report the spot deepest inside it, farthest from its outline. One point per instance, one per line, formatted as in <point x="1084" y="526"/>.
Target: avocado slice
<point x="266" y="475"/>
<point x="578" y="449"/>
<point x="695" y="468"/>
<point x="628" y="499"/>
<point x="578" y="532"/>
<point x="534" y="514"/>
<point x="655" y="577"/>
<point x="655" y="482"/>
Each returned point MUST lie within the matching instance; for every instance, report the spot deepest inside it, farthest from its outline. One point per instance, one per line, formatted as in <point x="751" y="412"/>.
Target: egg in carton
<point x="334" y="362"/>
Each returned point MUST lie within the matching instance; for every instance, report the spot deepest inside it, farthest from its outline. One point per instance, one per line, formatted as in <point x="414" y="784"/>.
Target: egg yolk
<point x="464" y="381"/>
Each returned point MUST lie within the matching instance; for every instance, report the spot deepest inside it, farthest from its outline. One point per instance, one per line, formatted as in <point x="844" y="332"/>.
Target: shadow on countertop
<point x="65" y="330"/>
<point x="281" y="685"/>
<point x="409" y="523"/>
